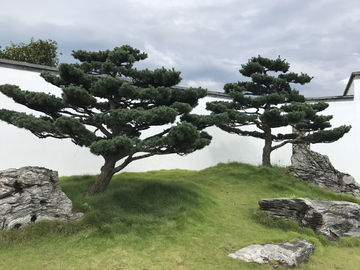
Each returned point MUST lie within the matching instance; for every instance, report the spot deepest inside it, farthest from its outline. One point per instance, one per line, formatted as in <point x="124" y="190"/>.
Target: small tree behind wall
<point x="42" y="52"/>
<point x="120" y="113"/>
<point x="268" y="102"/>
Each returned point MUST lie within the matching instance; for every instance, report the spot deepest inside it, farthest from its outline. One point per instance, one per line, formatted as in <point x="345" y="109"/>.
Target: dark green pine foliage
<point x="268" y="102"/>
<point x="120" y="113"/>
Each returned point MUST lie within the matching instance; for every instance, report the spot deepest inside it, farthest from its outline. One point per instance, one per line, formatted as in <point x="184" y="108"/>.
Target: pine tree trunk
<point x="267" y="148"/>
<point x="102" y="182"/>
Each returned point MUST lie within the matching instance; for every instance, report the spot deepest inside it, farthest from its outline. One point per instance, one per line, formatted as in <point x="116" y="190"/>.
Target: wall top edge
<point x="26" y="66"/>
<point x="39" y="68"/>
<point x="330" y="98"/>
<point x="353" y="76"/>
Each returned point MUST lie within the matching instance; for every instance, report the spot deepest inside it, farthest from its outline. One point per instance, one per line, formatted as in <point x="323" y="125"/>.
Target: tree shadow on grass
<point x="149" y="202"/>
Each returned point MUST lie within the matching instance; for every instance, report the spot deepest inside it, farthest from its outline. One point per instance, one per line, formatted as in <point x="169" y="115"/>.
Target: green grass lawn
<point x="173" y="219"/>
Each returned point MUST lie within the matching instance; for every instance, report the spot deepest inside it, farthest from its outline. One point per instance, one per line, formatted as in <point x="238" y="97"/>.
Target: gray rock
<point x="318" y="170"/>
<point x="288" y="255"/>
<point x="31" y="194"/>
<point x="330" y="218"/>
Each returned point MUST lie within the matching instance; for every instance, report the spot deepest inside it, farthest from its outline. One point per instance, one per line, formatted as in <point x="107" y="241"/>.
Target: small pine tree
<point x="114" y="109"/>
<point x="268" y="102"/>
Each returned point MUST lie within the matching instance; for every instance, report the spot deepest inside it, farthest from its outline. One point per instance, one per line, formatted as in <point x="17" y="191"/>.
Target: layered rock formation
<point x="330" y="218"/>
<point x="31" y="194"/>
<point x="318" y="170"/>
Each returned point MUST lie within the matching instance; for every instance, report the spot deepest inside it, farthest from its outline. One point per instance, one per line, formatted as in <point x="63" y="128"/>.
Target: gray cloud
<point x="207" y="41"/>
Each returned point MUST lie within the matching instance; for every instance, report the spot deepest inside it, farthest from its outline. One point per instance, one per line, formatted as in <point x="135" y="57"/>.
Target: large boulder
<point x="318" y="170"/>
<point x="288" y="255"/>
<point x="330" y="218"/>
<point x="31" y="194"/>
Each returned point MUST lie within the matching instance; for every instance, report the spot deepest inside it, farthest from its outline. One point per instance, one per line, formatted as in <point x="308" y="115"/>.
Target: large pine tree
<point x="268" y="102"/>
<point x="111" y="107"/>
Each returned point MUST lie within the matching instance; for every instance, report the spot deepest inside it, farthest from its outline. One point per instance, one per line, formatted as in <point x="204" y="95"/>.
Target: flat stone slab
<point x="288" y="254"/>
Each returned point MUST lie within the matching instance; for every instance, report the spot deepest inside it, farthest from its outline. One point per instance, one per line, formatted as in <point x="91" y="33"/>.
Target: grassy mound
<point x="173" y="219"/>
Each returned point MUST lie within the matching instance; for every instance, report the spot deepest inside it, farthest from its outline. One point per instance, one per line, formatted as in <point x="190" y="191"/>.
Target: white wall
<point x="19" y="147"/>
<point x="344" y="154"/>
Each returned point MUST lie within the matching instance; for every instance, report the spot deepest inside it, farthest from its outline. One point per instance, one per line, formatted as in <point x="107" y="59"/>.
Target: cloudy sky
<point x="207" y="40"/>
